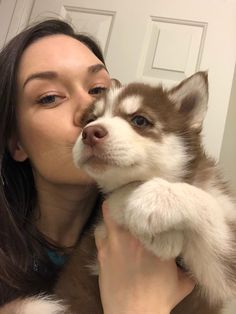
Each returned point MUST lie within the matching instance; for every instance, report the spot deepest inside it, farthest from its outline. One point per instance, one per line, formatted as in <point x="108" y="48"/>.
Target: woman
<point x="48" y="76"/>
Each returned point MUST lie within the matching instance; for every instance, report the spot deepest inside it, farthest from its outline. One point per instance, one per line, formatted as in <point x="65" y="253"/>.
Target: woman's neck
<point x="64" y="210"/>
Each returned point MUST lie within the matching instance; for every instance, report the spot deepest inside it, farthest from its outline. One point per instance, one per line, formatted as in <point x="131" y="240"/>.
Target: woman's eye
<point x="140" y="121"/>
<point x="97" y="90"/>
<point x="90" y="119"/>
<point x="49" y="100"/>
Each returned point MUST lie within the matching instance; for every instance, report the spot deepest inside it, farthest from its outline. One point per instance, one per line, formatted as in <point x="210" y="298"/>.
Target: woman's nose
<point x="82" y="103"/>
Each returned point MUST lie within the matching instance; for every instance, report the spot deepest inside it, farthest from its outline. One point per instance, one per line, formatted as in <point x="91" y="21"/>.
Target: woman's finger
<point x="111" y="225"/>
<point x="187" y="283"/>
<point x="100" y="234"/>
<point x="107" y="229"/>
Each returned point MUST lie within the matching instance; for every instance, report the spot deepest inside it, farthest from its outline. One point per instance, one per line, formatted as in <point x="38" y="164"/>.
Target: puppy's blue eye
<point x="140" y="121"/>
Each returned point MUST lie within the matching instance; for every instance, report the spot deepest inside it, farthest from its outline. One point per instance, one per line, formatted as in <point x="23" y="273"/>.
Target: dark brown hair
<point x="19" y="239"/>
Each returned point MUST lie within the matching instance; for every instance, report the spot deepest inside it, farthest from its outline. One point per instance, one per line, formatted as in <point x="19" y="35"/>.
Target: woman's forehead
<point x="54" y="51"/>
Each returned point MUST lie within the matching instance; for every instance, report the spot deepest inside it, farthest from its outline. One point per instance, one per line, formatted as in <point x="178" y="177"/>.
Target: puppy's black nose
<point x="93" y="134"/>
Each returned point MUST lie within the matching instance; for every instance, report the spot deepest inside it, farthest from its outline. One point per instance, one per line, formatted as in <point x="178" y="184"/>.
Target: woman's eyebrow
<point x="92" y="69"/>
<point x="41" y="75"/>
<point x="49" y="75"/>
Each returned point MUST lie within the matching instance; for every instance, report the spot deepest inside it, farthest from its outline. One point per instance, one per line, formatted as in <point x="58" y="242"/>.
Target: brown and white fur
<point x="142" y="145"/>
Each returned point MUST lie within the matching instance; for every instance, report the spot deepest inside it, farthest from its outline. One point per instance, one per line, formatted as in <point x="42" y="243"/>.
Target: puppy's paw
<point x="153" y="208"/>
<point x="166" y="245"/>
<point x="150" y="212"/>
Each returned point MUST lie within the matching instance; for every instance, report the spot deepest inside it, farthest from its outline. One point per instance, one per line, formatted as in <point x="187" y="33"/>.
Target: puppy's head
<point x="138" y="131"/>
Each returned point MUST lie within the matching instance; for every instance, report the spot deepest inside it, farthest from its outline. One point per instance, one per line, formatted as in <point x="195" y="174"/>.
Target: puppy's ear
<point x="115" y="83"/>
<point x="190" y="98"/>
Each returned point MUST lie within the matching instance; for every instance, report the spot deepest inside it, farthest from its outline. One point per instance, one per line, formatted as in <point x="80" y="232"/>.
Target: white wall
<point x="228" y="150"/>
<point x="6" y="12"/>
<point x="14" y="16"/>
<point x="228" y="155"/>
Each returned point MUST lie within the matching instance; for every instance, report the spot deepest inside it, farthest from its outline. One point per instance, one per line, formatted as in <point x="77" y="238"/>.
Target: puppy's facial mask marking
<point x="147" y="128"/>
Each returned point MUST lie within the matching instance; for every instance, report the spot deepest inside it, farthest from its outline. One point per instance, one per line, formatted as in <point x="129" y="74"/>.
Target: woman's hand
<point x="133" y="280"/>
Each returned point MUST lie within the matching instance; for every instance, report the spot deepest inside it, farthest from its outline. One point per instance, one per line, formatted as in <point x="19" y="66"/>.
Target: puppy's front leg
<point x="178" y="218"/>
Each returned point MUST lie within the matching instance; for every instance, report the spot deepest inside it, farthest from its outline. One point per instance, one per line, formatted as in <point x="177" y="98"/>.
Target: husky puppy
<point x="142" y="145"/>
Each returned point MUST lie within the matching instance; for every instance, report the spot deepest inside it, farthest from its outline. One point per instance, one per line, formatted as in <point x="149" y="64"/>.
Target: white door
<point x="162" y="40"/>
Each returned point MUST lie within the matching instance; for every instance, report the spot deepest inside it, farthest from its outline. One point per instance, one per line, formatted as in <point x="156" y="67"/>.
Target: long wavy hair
<point x="20" y="241"/>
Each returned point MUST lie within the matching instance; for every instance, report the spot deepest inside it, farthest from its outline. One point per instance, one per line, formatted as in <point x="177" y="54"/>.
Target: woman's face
<point x="58" y="79"/>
